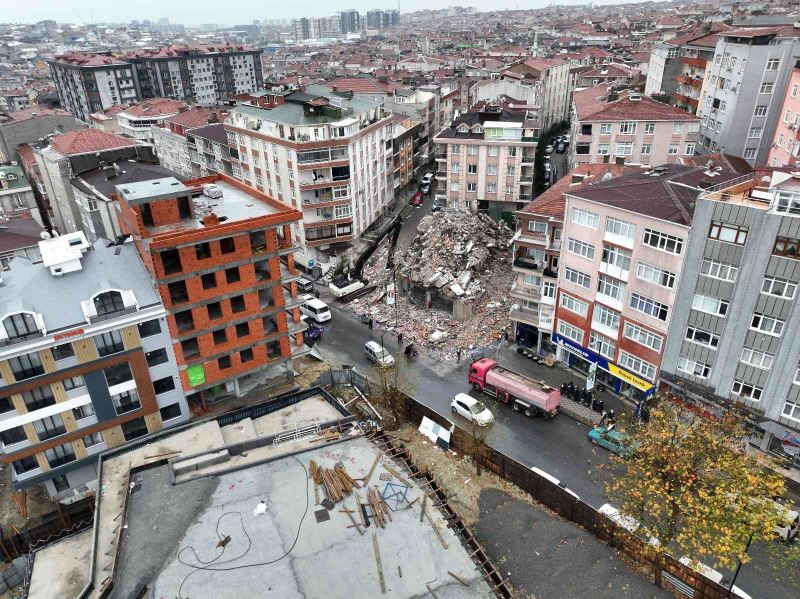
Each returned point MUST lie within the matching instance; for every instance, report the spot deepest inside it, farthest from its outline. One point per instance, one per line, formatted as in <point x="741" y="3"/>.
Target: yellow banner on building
<point x="629" y="378"/>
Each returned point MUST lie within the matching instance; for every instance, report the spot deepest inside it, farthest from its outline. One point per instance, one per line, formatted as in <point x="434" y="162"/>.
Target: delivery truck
<point x="523" y="393"/>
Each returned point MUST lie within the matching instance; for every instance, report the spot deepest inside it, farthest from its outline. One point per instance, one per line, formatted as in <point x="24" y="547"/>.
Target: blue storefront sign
<point x="618" y="372"/>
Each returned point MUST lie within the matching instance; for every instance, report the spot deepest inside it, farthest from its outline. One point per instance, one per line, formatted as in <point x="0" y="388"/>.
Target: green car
<point x="611" y="439"/>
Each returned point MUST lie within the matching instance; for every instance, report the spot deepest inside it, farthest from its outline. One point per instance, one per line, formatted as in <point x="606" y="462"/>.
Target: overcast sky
<point x="223" y="12"/>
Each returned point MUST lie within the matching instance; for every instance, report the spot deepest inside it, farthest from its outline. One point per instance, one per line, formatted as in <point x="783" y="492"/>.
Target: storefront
<point x="526" y="335"/>
<point x="613" y="377"/>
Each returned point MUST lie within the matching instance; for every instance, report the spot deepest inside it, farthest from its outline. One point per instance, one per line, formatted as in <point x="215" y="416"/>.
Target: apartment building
<point x="12" y="100"/>
<point x="329" y="156"/>
<point x="197" y="73"/>
<point x="381" y="19"/>
<point x="86" y="362"/>
<point x="21" y="237"/>
<point x="745" y="87"/>
<point x="609" y="125"/>
<point x="93" y="82"/>
<point x="424" y="105"/>
<point x="171" y="140"/>
<point x="30" y="125"/>
<point x="623" y="249"/>
<point x="557" y="86"/>
<point x="62" y="157"/>
<point x="136" y="121"/>
<point x="405" y="150"/>
<point x="485" y="162"/>
<point x="785" y="147"/>
<point x="733" y="339"/>
<point x="209" y="151"/>
<point x="16" y="194"/>
<point x="224" y="267"/>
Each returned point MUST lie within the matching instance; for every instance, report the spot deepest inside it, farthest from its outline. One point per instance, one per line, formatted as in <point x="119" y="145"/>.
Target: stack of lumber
<point x="380" y="511"/>
<point x="336" y="481"/>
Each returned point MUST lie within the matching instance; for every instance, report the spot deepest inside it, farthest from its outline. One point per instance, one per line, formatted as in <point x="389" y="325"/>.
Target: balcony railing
<point x="21" y="338"/>
<point x="530" y="292"/>
<point x="527" y="264"/>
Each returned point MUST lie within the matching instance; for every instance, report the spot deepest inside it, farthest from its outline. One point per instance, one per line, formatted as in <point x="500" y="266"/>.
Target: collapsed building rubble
<point x="453" y="282"/>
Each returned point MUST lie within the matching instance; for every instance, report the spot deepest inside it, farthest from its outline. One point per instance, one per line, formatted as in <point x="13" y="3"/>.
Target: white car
<point x="471" y="409"/>
<point x="629" y="523"/>
<point x="426" y="180"/>
<point x="378" y="355"/>
<point x="787" y="530"/>
<point x="549" y="149"/>
<point x="212" y="191"/>
<point x="712" y="574"/>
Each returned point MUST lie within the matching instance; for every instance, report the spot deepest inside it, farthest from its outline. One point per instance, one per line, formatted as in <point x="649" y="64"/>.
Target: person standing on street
<point x="458" y="355"/>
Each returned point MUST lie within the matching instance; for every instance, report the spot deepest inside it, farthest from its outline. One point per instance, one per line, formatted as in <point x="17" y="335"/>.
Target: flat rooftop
<point x="61" y="570"/>
<point x="297" y="548"/>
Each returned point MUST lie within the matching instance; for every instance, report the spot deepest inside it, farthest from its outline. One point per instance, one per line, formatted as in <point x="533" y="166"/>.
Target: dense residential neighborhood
<point x="517" y="285"/>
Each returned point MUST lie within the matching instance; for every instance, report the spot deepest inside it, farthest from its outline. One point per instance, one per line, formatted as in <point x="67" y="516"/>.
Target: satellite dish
<point x="44" y="235"/>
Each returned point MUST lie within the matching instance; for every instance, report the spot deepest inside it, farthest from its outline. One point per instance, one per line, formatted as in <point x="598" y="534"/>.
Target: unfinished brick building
<point x="225" y="270"/>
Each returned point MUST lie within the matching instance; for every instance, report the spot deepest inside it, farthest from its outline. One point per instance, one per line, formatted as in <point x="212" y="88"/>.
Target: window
<point x="643" y="336"/>
<point x="156" y="357"/>
<point x="491" y="169"/>
<point x="510" y="170"/>
<point x="585" y="218"/>
<point x="616" y="256"/>
<point x="602" y="345"/>
<point x="220" y="336"/>
<point x="624" y="148"/>
<point x="472" y="169"/>
<point x="673" y="150"/>
<point x="109" y="343"/>
<point x="581" y="248"/>
<point x="627" y="128"/>
<point x="60" y="455"/>
<point x="710" y="305"/>
<point x="117" y="374"/>
<point x="754" y="133"/>
<point x="778" y="287"/>
<point x="649" y="128"/>
<point x="537" y="226"/>
<point x="662" y="241"/>
<point x="570" y="332"/>
<point x="227" y="245"/>
<point x="605" y="128"/>
<point x="767" y="324"/>
<point x="26" y="366"/>
<point x="677" y="128"/>
<point x="728" y="233"/>
<point x="719" y="270"/>
<point x="786" y="246"/>
<point x="246" y="355"/>
<point x="702" y="337"/>
<point x="472" y="150"/>
<point x="646" y="149"/>
<point x="637" y="365"/>
<point x="577" y="277"/>
<point x="171" y="411"/>
<point x="224" y="362"/>
<point x="491" y="188"/>
<point x="472" y="187"/>
<point x="47" y="428"/>
<point x="92" y="440"/>
<point x="549" y="289"/>
<point x="125" y="402"/>
<point x="766" y="88"/>
<point x="84" y="411"/>
<point x="648" y="306"/>
<point x="759" y="359"/>
<point x="772" y="64"/>
<point x="573" y="304"/>
<point x="163" y="385"/>
<point x="26" y="464"/>
<point x="611" y="287"/>
<point x="74" y="382"/>
<point x="698" y="369"/>
<point x="242" y="329"/>
<point x="606" y="317"/>
<point x="62" y="352"/>
<point x="108" y="303"/>
<point x="746" y="390"/>
<point x="13" y="435"/>
<point x="761" y="110"/>
<point x="616" y="226"/>
<point x="149" y="328"/>
<point x="232" y="275"/>
<point x="602" y="149"/>
<point x="202" y="250"/>
<point x="208" y="280"/>
<point x="133" y="429"/>
<point x="750" y="152"/>
<point x="38" y="398"/>
<point x="654" y="274"/>
<point x="237" y="304"/>
<point x="214" y="310"/>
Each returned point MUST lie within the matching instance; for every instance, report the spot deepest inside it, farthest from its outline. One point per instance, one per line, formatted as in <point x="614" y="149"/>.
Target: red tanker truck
<point x="523" y="393"/>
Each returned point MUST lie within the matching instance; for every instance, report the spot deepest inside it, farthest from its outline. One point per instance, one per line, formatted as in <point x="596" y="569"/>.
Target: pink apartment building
<point x="786" y="143"/>
<point x="626" y="126"/>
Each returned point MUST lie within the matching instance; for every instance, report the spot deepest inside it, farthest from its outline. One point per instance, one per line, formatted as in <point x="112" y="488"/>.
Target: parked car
<point x="611" y="439"/>
<point x="549" y="149"/>
<point x="426" y="180"/>
<point x="378" y="355"/>
<point x="561" y="147"/>
<point x="547" y="166"/>
<point x="471" y="409"/>
<point x="304" y="286"/>
<point x="425" y="189"/>
<point x="712" y="574"/>
<point x="627" y="522"/>
<point x="789" y="527"/>
<point x="312" y="333"/>
<point x="416" y="199"/>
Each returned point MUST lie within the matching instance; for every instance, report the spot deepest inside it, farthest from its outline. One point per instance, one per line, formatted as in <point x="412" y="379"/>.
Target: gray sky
<point x="223" y="12"/>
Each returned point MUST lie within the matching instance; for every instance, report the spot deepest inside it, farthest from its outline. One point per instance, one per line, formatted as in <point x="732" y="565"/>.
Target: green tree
<point x="692" y="485"/>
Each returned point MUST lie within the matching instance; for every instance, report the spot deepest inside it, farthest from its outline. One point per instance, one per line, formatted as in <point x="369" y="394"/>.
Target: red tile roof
<point x="184" y="49"/>
<point x="551" y="203"/>
<point x="32" y="112"/>
<point x="591" y="105"/>
<point x="88" y="140"/>
<point x="358" y="85"/>
<point x="194" y="117"/>
<point x="155" y="107"/>
<point x="89" y="59"/>
<point x="26" y="156"/>
<point x="20" y="233"/>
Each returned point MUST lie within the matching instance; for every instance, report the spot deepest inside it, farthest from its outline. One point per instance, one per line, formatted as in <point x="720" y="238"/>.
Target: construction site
<point x="291" y="498"/>
<point x="451" y="283"/>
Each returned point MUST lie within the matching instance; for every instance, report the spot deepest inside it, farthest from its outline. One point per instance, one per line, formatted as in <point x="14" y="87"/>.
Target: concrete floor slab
<point x="62" y="568"/>
<point x="244" y="430"/>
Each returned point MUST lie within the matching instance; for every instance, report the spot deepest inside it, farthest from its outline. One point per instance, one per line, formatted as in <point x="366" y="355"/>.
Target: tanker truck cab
<point x="525" y="394"/>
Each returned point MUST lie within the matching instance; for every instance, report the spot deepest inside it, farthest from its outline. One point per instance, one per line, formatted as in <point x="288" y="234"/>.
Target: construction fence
<point x="683" y="580"/>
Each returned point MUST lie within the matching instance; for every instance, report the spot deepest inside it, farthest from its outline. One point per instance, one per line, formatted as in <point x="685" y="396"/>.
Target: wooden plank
<point x="436" y="530"/>
<point x="378" y="562"/>
<point x="371" y="470"/>
<point x="353" y="520"/>
<point x="458" y="578"/>
<point x="396" y="474"/>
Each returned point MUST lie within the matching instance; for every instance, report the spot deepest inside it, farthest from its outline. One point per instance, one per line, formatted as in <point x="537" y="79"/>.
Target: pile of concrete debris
<point x="454" y="281"/>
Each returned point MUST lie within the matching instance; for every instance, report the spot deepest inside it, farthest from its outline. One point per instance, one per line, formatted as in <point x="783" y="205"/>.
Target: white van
<point x="377" y="354"/>
<point x="304" y="285"/>
<point x="315" y="309"/>
<point x="788" y="528"/>
<point x="712" y="574"/>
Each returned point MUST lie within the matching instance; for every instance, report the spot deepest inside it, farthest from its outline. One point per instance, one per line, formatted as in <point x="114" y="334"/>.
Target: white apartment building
<point x="328" y="156"/>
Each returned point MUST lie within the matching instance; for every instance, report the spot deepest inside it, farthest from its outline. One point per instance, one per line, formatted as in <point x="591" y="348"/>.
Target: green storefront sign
<point x="197" y="375"/>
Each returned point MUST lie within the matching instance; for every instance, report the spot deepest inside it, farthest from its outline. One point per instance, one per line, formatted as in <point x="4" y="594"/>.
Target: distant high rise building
<point x="350" y="21"/>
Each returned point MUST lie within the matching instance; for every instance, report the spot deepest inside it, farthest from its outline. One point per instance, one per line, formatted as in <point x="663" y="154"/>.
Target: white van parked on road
<point x="315" y="309"/>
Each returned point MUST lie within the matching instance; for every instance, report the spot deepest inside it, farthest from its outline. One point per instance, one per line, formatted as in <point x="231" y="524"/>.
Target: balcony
<point x="21" y="338"/>
<point x="690" y="81"/>
<point x="697" y="63"/>
<point x="530" y="237"/>
<point x="528" y="158"/>
<point x="441" y="156"/>
<point x="525" y="265"/>
<point x="525" y="292"/>
<point x="541" y="318"/>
